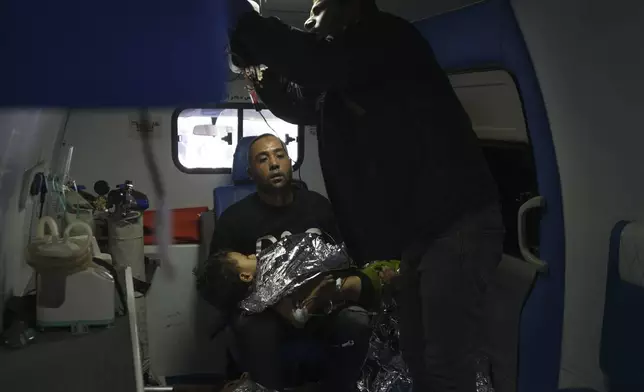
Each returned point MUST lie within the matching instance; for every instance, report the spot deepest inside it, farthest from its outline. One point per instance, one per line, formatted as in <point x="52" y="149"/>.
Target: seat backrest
<point x="225" y="196"/>
<point x="506" y="295"/>
<point x="622" y="346"/>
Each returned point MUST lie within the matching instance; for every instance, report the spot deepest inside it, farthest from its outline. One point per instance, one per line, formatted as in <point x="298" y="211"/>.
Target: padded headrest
<point x="240" y="161"/>
<point x="631" y="265"/>
<point x="622" y="339"/>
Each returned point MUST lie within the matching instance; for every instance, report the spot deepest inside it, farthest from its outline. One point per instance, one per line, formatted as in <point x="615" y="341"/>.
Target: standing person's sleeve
<point x="364" y="57"/>
<point x="328" y="223"/>
<point x="287" y="100"/>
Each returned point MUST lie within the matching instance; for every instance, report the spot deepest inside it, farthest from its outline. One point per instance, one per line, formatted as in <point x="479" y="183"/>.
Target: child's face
<point x="246" y="265"/>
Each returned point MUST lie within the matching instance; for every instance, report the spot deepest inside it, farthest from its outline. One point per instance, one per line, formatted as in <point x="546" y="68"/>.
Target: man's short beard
<point x="268" y="188"/>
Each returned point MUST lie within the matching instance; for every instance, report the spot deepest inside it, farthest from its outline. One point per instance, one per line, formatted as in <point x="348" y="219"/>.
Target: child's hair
<point x="218" y="282"/>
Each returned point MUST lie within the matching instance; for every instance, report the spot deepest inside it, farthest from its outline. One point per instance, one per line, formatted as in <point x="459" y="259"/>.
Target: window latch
<point x="289" y="139"/>
<point x="228" y="138"/>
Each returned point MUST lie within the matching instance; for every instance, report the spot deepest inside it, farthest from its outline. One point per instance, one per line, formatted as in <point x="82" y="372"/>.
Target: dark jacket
<point x="399" y="158"/>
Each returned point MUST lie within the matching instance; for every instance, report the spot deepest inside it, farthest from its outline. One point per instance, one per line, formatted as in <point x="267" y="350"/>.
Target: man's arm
<point x="350" y="289"/>
<point x="223" y="238"/>
<point x="354" y="288"/>
<point x="318" y="293"/>
<point x="285" y="99"/>
<point x="362" y="56"/>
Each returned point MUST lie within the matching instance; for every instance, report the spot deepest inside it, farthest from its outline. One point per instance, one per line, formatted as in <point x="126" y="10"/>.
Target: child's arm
<point x="321" y="292"/>
<point x="349" y="289"/>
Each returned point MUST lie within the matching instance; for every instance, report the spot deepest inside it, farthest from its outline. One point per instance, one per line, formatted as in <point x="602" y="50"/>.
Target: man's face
<point x="270" y="164"/>
<point x="328" y="17"/>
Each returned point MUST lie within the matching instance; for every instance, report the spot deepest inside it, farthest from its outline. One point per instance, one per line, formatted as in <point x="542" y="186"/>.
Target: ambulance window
<point x="204" y="140"/>
<point x="492" y="101"/>
<point x="257" y="123"/>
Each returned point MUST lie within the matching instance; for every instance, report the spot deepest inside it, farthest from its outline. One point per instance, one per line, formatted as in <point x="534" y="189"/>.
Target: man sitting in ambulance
<point x="277" y="210"/>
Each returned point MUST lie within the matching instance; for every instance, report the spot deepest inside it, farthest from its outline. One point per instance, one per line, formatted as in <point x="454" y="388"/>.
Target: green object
<point x="373" y="269"/>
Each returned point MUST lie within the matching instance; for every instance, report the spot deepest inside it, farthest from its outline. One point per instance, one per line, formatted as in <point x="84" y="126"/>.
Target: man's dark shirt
<point x="398" y="154"/>
<point x="251" y="225"/>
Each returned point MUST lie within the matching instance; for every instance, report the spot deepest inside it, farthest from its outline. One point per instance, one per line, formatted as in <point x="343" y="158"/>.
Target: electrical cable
<point x="164" y="230"/>
<point x="150" y="159"/>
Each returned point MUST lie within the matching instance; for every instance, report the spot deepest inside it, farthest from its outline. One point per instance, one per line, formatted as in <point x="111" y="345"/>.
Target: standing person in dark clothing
<point x="401" y="163"/>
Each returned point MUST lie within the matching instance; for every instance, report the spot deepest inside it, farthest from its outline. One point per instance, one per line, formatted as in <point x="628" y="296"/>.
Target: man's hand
<point x="325" y="290"/>
<point x="321" y="294"/>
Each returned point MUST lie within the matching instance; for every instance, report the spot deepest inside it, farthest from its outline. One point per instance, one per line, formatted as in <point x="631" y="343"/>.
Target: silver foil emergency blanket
<point x="289" y="264"/>
<point x="298" y="259"/>
<point x="384" y="370"/>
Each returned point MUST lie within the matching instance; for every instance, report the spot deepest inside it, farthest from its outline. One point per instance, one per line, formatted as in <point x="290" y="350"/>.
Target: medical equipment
<point x="126" y="245"/>
<point x="71" y="291"/>
<point x="102" y="360"/>
<point x="121" y="200"/>
<point x="163" y="216"/>
<point x="77" y="208"/>
<point x="125" y="198"/>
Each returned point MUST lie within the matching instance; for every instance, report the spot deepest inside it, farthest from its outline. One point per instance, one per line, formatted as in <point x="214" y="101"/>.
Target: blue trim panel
<point x="484" y="36"/>
<point x="121" y="53"/>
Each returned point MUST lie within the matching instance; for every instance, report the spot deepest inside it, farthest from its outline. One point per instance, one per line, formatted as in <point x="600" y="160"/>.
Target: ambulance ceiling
<point x="409" y="9"/>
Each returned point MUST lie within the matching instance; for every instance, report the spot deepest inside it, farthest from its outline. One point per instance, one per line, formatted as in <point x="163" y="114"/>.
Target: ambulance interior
<point x="554" y="94"/>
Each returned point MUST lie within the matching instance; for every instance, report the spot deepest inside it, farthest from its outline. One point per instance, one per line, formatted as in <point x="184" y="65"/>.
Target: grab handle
<point x="51" y="223"/>
<point x="535" y="202"/>
<point x="80" y="225"/>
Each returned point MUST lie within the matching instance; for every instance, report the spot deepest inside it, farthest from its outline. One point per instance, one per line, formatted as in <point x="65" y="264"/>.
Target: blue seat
<point x="242" y="186"/>
<point x="622" y="344"/>
<point x="622" y="348"/>
<point x="578" y="390"/>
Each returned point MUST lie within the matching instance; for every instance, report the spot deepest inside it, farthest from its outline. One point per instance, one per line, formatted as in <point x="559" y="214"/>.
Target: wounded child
<point x="300" y="286"/>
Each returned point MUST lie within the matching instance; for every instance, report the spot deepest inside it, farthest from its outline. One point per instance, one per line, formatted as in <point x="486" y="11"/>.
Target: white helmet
<point x="255" y="6"/>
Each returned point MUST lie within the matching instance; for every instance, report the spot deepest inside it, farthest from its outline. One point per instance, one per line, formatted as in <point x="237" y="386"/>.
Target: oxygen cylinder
<point x="125" y="244"/>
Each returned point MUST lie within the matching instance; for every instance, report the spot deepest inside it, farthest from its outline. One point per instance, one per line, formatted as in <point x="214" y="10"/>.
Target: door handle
<point x="535" y="202"/>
